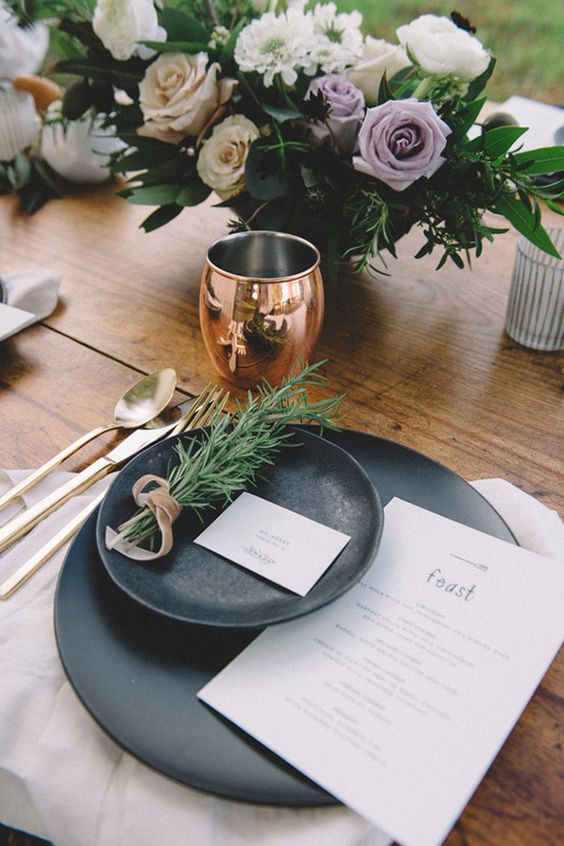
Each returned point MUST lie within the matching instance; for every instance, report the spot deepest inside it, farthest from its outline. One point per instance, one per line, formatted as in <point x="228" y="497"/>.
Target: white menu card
<point x="397" y="696"/>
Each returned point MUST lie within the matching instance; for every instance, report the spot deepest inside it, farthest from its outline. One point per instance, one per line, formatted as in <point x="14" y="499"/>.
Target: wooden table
<point x="422" y="357"/>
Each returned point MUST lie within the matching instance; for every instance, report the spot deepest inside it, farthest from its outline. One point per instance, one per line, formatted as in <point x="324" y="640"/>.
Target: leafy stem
<point x="229" y="455"/>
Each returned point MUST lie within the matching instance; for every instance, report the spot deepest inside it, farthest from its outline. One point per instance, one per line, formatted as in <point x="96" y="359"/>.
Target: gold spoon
<point x="137" y="406"/>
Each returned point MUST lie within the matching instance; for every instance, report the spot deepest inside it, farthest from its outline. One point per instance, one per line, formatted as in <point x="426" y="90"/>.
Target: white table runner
<point x="64" y="779"/>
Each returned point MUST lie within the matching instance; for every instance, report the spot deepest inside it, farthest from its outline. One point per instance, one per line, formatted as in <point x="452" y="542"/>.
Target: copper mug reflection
<point x="261" y="305"/>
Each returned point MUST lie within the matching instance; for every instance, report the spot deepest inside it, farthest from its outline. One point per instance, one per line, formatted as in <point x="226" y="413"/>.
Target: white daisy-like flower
<point x="276" y="44"/>
<point x="338" y="40"/>
<point x="331" y="58"/>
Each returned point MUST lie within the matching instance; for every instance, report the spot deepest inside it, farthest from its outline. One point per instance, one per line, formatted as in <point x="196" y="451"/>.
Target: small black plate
<point x="138" y="673"/>
<point x="315" y="478"/>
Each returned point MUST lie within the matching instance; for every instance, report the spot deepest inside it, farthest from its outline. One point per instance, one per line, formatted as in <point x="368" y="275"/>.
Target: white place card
<point x="397" y="696"/>
<point x="278" y="544"/>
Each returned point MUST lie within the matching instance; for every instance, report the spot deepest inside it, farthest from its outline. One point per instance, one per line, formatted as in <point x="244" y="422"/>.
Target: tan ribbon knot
<point x="164" y="507"/>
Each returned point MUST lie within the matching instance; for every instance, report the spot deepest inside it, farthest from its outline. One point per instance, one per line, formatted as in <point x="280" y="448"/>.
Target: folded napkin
<point x="63" y="778"/>
<point x="544" y="121"/>
<point x="25" y="298"/>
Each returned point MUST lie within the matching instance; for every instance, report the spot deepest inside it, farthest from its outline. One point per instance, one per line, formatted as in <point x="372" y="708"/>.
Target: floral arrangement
<point x="300" y="123"/>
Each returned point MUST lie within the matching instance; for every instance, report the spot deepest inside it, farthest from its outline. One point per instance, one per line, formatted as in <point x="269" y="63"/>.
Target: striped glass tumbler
<point x="535" y="312"/>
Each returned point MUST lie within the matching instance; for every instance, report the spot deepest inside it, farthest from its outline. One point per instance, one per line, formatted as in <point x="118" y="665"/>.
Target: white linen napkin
<point x="25" y="298"/>
<point x="63" y="778"/>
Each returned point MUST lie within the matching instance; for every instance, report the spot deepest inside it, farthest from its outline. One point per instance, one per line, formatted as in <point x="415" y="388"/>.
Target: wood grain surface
<point x="421" y="355"/>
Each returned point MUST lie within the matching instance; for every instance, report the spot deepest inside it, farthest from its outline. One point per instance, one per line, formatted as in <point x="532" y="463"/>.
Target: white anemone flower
<point x="337" y="40"/>
<point x="276" y="44"/>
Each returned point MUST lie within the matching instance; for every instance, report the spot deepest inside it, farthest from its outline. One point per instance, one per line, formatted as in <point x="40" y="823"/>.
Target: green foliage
<point x="230" y="455"/>
<point x="294" y="181"/>
<point x="32" y="180"/>
<point x="526" y="222"/>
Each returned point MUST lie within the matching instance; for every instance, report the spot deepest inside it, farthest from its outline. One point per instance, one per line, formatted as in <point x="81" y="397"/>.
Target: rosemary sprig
<point x="231" y="453"/>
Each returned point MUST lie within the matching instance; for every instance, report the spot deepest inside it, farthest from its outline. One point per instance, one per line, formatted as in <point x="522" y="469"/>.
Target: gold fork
<point x="199" y="414"/>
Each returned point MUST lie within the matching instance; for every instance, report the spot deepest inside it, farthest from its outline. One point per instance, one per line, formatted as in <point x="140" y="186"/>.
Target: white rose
<point x="378" y="57"/>
<point x="180" y="94"/>
<point x="79" y="151"/>
<point x="22" y="51"/>
<point x="221" y="163"/>
<point x="443" y="49"/>
<point x="121" y="24"/>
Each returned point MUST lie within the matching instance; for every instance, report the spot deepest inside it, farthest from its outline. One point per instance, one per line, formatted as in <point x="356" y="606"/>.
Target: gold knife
<point x="196" y="413"/>
<point x="138" y="440"/>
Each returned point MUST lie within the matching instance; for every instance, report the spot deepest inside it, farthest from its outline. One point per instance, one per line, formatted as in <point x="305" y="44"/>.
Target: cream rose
<point x="221" y="163"/>
<point x="121" y="24"/>
<point x="442" y="49"/>
<point x="180" y="94"/>
<point x="378" y="57"/>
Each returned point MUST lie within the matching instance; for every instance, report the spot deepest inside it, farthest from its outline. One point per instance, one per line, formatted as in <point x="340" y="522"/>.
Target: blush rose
<point x="221" y="163"/>
<point x="180" y="94"/>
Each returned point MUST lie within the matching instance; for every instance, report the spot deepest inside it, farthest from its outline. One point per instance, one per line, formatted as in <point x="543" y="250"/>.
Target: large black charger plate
<point x="138" y="672"/>
<point x="316" y="479"/>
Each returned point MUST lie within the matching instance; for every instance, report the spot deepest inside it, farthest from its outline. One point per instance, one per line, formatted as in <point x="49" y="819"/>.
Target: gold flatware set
<point x="190" y="414"/>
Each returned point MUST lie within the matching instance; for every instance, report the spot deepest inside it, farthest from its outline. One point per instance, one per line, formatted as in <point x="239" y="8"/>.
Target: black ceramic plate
<point x="316" y="479"/>
<point x="138" y="672"/>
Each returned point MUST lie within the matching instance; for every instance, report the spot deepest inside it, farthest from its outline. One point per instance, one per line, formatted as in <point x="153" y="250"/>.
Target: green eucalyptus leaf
<point x="281" y="114"/>
<point x="499" y="140"/>
<point x="183" y="27"/>
<point x="496" y="142"/>
<point x="542" y="160"/>
<point x="77" y="100"/>
<point x="189" y="47"/>
<point x="554" y="206"/>
<point x="266" y="177"/>
<point x="552" y="190"/>
<point x="467" y="115"/>
<point x="33" y="196"/>
<point x="229" y="47"/>
<point x="150" y="195"/>
<point x="161" y="216"/>
<point x="120" y="77"/>
<point x="477" y="85"/>
<point x="442" y="261"/>
<point x="384" y="91"/>
<point x="127" y="118"/>
<point x="193" y="192"/>
<point x="23" y="169"/>
<point x="524" y="221"/>
<point x="169" y="170"/>
<point x="81" y="30"/>
<point x="102" y="95"/>
<point x="50" y="177"/>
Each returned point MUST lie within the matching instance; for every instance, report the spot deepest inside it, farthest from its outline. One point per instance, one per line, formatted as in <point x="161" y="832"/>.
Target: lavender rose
<point x="401" y="141"/>
<point x="346" y="104"/>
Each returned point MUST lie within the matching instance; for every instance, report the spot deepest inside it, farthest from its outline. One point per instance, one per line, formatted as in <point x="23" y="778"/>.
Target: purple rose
<point x="401" y="141"/>
<point x="346" y="103"/>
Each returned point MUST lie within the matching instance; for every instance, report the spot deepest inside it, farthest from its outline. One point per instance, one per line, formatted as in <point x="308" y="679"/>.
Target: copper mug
<point x="261" y="305"/>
